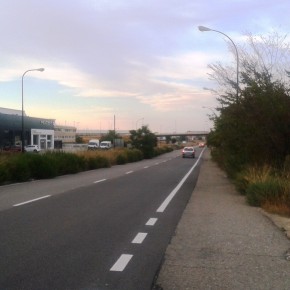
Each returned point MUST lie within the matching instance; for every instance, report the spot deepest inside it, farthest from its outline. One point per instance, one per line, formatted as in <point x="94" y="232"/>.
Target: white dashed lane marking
<point x="168" y="199"/>
<point x="101" y="180"/>
<point x="139" y="238"/>
<point x="124" y="259"/>
<point x="121" y="263"/>
<point x="32" y="200"/>
<point x="151" y="222"/>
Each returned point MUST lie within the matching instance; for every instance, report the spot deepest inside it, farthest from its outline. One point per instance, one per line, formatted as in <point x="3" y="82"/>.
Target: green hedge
<point x="24" y="167"/>
<point x="29" y="166"/>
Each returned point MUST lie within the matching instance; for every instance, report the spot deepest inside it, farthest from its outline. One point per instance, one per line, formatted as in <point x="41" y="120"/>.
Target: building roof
<point x="11" y="112"/>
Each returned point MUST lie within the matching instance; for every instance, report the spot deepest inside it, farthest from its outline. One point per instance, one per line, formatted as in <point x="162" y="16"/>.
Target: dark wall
<point x="11" y="127"/>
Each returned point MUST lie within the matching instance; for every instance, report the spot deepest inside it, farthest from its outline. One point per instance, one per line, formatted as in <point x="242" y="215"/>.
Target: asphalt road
<point x="103" y="229"/>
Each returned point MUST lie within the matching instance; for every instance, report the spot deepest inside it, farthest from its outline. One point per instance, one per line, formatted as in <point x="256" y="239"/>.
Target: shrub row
<point x="24" y="167"/>
<point x="162" y="150"/>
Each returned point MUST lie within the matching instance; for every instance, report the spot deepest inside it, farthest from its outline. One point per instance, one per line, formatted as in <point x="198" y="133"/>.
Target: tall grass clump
<point x="134" y="155"/>
<point x="4" y="173"/>
<point x="252" y="174"/>
<point x="129" y="155"/>
<point x="95" y="159"/>
<point x="280" y="205"/>
<point x="95" y="162"/>
<point x="266" y="187"/>
<point x="40" y="166"/>
<point x="18" y="168"/>
<point x="260" y="192"/>
<point x="65" y="163"/>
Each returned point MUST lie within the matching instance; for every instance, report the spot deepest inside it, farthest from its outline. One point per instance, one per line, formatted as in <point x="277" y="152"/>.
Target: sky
<point x="144" y="62"/>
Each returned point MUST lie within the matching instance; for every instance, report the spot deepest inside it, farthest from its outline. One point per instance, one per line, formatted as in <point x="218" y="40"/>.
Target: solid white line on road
<point x="151" y="222"/>
<point x="168" y="199"/>
<point x="121" y="263"/>
<point x="32" y="200"/>
<point x="101" y="180"/>
<point x="146" y="166"/>
<point x="157" y="163"/>
<point x="139" y="238"/>
<point x="129" y="172"/>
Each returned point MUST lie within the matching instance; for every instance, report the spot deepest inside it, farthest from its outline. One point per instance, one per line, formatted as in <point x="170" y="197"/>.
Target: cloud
<point x="149" y="54"/>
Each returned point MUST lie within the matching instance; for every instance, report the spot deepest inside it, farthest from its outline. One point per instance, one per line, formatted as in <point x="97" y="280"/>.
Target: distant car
<point x="201" y="145"/>
<point x="32" y="148"/>
<point x="188" y="152"/>
<point x="13" y="148"/>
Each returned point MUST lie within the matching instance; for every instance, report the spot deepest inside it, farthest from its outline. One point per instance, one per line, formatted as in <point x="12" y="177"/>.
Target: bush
<point x="4" y="174"/>
<point x="18" y="168"/>
<point x="95" y="162"/>
<point x="286" y="169"/>
<point x="65" y="163"/>
<point x="161" y="150"/>
<point x="250" y="175"/>
<point x="121" y="158"/>
<point x="42" y="166"/>
<point x="260" y="192"/>
<point x="134" y="155"/>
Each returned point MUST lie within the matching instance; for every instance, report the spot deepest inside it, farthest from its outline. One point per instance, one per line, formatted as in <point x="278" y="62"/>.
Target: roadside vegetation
<point x="17" y="167"/>
<point x="251" y="135"/>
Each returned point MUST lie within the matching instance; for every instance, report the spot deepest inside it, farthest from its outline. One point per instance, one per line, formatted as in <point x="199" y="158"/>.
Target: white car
<point x="188" y="152"/>
<point x="32" y="148"/>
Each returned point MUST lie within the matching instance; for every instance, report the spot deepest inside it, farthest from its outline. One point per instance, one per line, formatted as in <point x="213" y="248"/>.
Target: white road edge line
<point x="32" y="200"/>
<point x="101" y="180"/>
<point x="121" y="263"/>
<point x="168" y="199"/>
<point x="146" y="167"/>
<point x="139" y="238"/>
<point x="151" y="222"/>
<point x="129" y="172"/>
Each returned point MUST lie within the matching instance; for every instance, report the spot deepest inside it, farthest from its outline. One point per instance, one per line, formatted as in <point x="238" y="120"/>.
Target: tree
<point x="256" y="128"/>
<point x="79" y="140"/>
<point x="144" y="140"/>
<point x="268" y="54"/>
<point x="110" y="136"/>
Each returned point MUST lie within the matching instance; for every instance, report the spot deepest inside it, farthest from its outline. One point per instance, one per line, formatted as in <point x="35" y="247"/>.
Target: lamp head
<point x="40" y="69"/>
<point x="203" y="28"/>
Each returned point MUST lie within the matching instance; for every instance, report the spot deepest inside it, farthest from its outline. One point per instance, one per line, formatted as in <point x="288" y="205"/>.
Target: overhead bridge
<point x="179" y="134"/>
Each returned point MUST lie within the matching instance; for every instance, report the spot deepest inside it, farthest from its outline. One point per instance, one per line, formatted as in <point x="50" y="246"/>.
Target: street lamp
<point x="142" y="119"/>
<point x="22" y="119"/>
<point x="203" y="28"/>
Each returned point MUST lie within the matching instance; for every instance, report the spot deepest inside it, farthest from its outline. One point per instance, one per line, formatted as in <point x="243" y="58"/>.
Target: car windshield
<point x="188" y="149"/>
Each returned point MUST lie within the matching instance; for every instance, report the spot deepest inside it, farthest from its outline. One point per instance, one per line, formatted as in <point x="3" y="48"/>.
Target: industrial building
<point x="37" y="131"/>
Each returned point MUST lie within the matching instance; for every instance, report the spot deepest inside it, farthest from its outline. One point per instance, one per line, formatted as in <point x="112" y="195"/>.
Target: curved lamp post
<point x="142" y="119"/>
<point x="203" y="28"/>
<point x="22" y="119"/>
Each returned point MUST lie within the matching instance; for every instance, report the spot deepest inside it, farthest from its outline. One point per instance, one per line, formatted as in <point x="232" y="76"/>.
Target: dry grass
<point x="281" y="204"/>
<point x="265" y="188"/>
<point x="258" y="174"/>
<point x="279" y="208"/>
<point x="110" y="155"/>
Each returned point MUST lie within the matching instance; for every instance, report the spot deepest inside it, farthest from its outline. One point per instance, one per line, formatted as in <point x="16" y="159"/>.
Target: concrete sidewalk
<point x="223" y="243"/>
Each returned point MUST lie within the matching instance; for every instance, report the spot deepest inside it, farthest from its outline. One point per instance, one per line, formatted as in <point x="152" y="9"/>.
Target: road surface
<point x="102" y="229"/>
